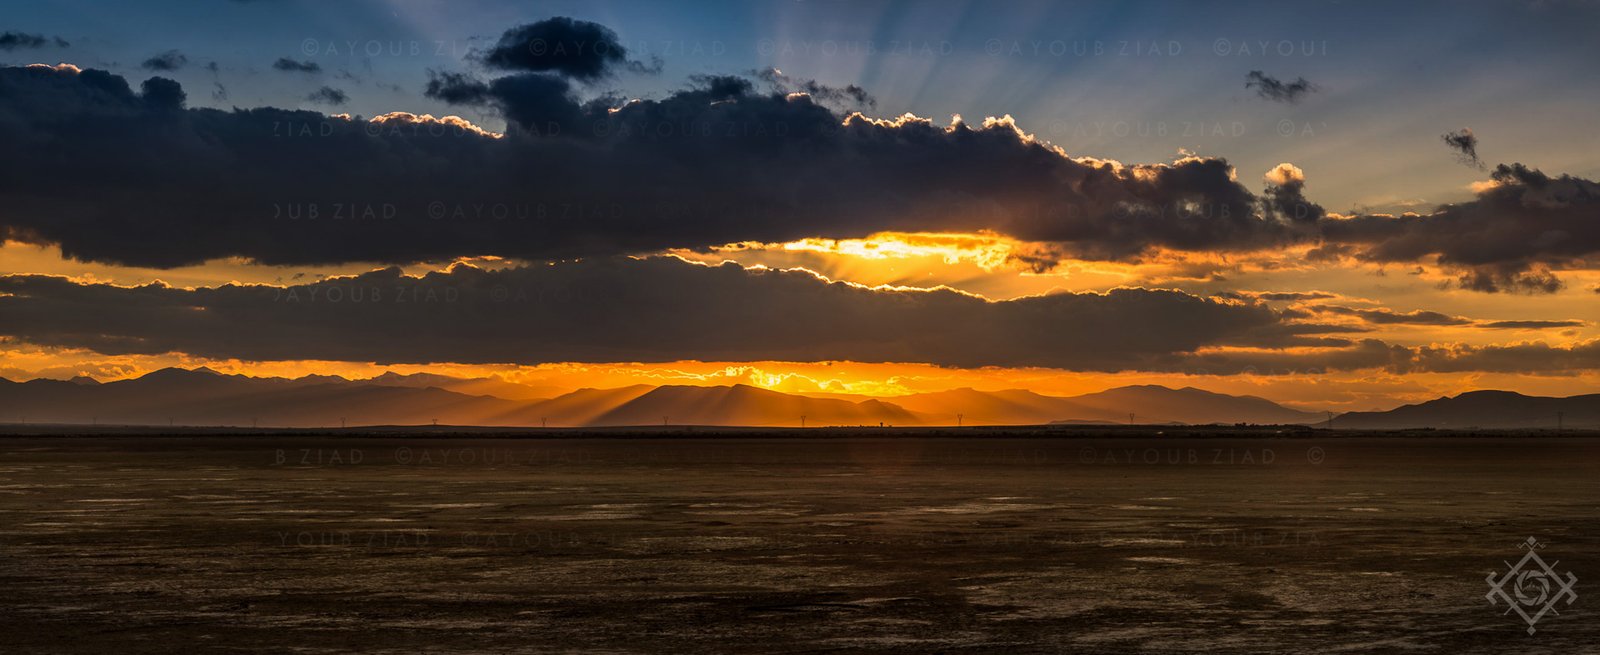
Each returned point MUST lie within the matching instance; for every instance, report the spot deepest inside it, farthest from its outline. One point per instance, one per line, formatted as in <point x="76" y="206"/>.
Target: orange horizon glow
<point x="986" y="264"/>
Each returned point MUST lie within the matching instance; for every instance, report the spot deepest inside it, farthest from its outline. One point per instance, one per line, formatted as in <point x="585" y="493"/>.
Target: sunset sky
<point x="1337" y="206"/>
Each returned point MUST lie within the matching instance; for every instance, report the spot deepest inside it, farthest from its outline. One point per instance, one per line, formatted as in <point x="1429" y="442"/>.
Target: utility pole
<point x="341" y="423"/>
<point x="435" y="422"/>
<point x="1130" y="418"/>
<point x="542" y="422"/>
<point x="663" y="421"/>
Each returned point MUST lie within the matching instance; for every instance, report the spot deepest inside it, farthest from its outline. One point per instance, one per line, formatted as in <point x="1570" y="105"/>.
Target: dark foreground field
<point x="305" y="544"/>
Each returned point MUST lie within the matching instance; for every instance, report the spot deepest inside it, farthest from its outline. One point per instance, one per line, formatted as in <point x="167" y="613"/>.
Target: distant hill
<point x="470" y="386"/>
<point x="1158" y="404"/>
<point x="1482" y="409"/>
<point x="1149" y="404"/>
<point x="205" y="397"/>
<point x="746" y="405"/>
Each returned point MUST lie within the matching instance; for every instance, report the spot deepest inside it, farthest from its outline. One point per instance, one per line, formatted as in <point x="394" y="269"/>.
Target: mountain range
<point x="1499" y="410"/>
<point x="205" y="397"/>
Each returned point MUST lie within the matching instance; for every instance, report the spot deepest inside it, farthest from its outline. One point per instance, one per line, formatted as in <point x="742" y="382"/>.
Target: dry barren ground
<point x="305" y="544"/>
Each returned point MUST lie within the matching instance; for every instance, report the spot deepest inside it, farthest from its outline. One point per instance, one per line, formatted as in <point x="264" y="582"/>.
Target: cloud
<point x="655" y="309"/>
<point x="456" y="88"/>
<point x="1510" y="238"/>
<point x="665" y="309"/>
<point x="170" y="60"/>
<point x="1465" y="145"/>
<point x="288" y="65"/>
<point x="848" y="96"/>
<point x="1531" y="358"/>
<point x="1285" y="196"/>
<point x="22" y="40"/>
<point x="575" y="49"/>
<point x="1276" y="90"/>
<point x="722" y="160"/>
<point x="1288" y="295"/>
<point x="717" y="162"/>
<point x="1381" y="316"/>
<point x="162" y="94"/>
<point x="328" y="96"/>
<point x="1530" y="325"/>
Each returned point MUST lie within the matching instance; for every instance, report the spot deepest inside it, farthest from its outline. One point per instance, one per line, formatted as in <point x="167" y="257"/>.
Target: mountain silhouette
<point x="205" y="397"/>
<point x="746" y="405"/>
<point x="1149" y="404"/>
<point x="1483" y="409"/>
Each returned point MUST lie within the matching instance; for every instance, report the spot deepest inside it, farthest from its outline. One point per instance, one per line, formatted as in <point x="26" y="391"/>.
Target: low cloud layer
<point x="1530" y="358"/>
<point x="664" y="309"/>
<point x="631" y="310"/>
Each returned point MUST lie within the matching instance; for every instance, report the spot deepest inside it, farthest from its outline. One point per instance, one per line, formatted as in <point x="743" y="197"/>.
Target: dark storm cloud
<point x="328" y="96"/>
<point x="1510" y="238"/>
<point x="288" y="65"/>
<point x="1277" y="90"/>
<point x="22" y="40"/>
<point x="1465" y="144"/>
<point x="170" y="60"/>
<point x="577" y="49"/>
<point x="715" y="163"/>
<point x="657" y="309"/>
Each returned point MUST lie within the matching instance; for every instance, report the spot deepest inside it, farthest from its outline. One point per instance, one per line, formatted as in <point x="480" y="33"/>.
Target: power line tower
<point x="960" y="419"/>
<point x="802" y="421"/>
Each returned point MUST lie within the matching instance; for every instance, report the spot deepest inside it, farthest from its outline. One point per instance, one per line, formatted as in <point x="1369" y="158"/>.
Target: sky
<point x="1336" y="205"/>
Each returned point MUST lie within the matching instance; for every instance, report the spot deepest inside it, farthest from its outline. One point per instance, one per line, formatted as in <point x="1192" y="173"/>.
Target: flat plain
<point x="1122" y="543"/>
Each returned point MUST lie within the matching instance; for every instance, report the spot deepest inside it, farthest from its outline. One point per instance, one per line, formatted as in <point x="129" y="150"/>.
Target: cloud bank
<point x="631" y="310"/>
